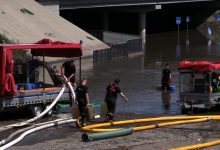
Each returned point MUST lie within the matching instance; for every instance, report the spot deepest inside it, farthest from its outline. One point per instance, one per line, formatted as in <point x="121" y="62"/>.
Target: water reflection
<point x="209" y="46"/>
<point x="166" y="99"/>
<point x="187" y="43"/>
<point x="178" y="51"/>
<point x="140" y="74"/>
<point x="166" y="47"/>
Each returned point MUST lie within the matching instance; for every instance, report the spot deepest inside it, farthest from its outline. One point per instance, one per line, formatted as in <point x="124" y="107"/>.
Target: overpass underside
<point x="126" y="19"/>
<point x="78" y="4"/>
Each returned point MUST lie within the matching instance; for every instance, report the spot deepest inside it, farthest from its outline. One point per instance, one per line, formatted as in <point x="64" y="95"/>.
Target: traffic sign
<point x="178" y="20"/>
<point x="187" y="18"/>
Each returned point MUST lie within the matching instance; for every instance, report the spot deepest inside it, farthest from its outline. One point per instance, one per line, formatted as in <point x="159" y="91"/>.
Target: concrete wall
<point x="27" y="21"/>
<point x="51" y="4"/>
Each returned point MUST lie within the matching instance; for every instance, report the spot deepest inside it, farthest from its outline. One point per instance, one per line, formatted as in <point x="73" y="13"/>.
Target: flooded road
<point x="141" y="73"/>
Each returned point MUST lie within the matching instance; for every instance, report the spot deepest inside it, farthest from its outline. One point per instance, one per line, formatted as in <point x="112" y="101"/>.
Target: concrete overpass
<point x="134" y="16"/>
<point x="79" y="4"/>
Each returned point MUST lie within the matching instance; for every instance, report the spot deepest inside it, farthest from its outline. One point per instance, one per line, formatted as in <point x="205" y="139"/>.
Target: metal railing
<point x="121" y="45"/>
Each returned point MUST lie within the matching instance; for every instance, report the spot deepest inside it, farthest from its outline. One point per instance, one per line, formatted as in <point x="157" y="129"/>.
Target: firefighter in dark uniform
<point x="82" y="98"/>
<point x="111" y="95"/>
<point x="68" y="69"/>
<point x="166" y="77"/>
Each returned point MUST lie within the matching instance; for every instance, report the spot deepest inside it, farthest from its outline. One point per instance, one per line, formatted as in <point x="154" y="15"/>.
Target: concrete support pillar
<point x="142" y="28"/>
<point x="105" y="21"/>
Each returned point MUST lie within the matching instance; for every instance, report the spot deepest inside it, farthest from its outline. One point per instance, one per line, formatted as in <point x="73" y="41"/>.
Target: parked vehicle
<point x="18" y="91"/>
<point x="199" y="85"/>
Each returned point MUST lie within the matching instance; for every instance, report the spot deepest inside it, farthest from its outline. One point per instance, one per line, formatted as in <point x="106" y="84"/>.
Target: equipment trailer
<point x="34" y="96"/>
<point x="199" y="85"/>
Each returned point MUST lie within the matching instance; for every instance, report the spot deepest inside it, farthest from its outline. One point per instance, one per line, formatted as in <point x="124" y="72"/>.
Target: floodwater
<point x="140" y="74"/>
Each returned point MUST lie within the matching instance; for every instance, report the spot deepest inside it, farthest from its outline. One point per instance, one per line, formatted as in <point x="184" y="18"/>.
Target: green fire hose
<point x="86" y="137"/>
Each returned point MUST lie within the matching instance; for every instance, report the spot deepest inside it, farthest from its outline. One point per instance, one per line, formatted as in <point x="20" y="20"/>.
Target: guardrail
<point x="121" y="45"/>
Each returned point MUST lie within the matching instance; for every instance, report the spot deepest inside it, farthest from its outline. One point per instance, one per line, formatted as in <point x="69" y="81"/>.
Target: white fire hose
<point x="39" y="126"/>
<point x="34" y="130"/>
<point x="10" y="137"/>
<point x="4" y="128"/>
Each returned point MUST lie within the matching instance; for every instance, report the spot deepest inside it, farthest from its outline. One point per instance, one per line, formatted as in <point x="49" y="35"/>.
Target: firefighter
<point x="82" y="98"/>
<point x="166" y="77"/>
<point x="112" y="92"/>
<point x="68" y="69"/>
